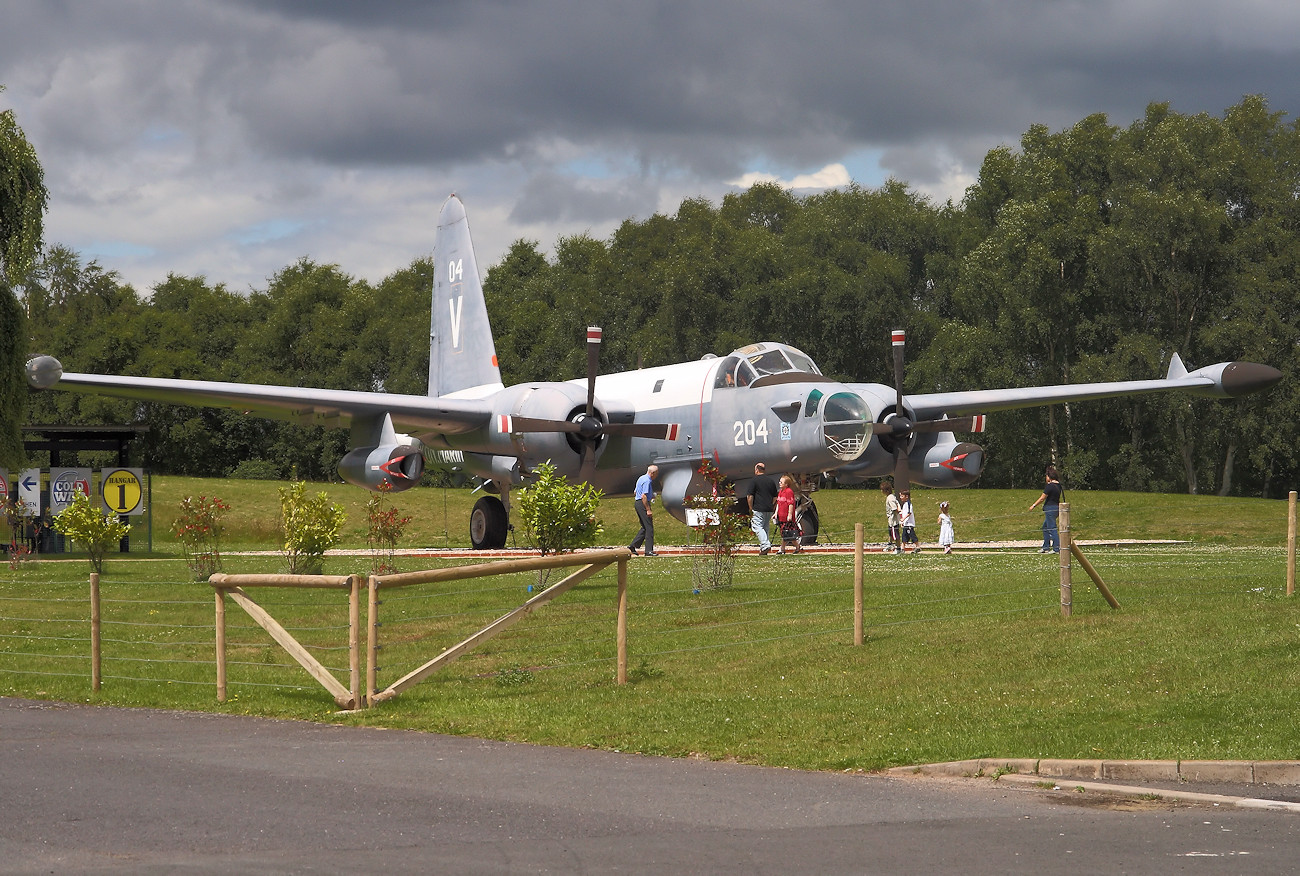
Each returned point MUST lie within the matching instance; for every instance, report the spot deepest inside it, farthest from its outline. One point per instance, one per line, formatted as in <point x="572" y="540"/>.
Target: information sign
<point x="123" y="491"/>
<point x="29" y="491"/>
<point x="65" y="484"/>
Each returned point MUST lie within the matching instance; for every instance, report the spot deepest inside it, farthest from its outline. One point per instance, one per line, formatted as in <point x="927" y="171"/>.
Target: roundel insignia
<point x="122" y="491"/>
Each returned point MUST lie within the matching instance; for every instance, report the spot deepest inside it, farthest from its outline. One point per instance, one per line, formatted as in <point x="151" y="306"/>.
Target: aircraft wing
<point x="318" y="407"/>
<point x="1224" y="380"/>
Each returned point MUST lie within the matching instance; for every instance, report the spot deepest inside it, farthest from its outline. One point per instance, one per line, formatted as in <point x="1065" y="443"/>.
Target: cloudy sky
<point x="228" y="138"/>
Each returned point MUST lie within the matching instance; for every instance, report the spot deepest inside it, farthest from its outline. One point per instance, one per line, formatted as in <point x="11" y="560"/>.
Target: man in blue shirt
<point x="644" y="496"/>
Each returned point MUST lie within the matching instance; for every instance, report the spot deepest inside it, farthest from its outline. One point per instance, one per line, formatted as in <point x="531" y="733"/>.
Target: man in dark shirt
<point x="760" y="496"/>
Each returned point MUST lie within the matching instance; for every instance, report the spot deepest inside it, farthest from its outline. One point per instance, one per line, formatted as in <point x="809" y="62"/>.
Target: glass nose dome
<point x="846" y="424"/>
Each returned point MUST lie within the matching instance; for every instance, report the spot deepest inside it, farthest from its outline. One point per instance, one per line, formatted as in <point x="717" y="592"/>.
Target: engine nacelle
<point x="948" y="464"/>
<point x="398" y="465"/>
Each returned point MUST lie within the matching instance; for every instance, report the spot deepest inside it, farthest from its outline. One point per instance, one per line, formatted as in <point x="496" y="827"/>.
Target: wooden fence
<point x="232" y="587"/>
<point x="591" y="562"/>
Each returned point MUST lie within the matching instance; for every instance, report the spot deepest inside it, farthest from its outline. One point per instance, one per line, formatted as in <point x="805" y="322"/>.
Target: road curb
<point x="1101" y="776"/>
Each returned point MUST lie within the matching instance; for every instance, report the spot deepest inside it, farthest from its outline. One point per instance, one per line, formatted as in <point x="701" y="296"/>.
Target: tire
<point x="809" y="523"/>
<point x="488" y="524"/>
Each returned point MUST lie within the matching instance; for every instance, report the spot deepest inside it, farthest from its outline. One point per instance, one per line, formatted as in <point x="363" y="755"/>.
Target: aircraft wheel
<point x="487" y="524"/>
<point x="809" y="524"/>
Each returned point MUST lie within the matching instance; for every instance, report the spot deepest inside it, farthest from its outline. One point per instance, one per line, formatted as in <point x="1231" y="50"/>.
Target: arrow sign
<point x="29" y="491"/>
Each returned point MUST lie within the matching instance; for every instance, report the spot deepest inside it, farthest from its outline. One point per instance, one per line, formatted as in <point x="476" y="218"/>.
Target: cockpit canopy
<point x="748" y="364"/>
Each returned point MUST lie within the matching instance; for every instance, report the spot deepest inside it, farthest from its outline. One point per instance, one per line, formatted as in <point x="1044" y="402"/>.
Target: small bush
<point x="84" y="523"/>
<point x="559" y="516"/>
<point x="257" y="470"/>
<point x="311" y="525"/>
<point x="385" y="525"/>
<point x="198" y="528"/>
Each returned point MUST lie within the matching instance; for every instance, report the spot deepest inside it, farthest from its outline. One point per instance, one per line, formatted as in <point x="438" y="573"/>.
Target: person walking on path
<point x="946" y="535"/>
<point x="1051" y="502"/>
<point x="760" y="494"/>
<point x="644" y="497"/>
<point x="785" y="516"/>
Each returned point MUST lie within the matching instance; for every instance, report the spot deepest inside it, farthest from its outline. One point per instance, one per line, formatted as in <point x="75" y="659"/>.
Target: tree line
<point x="1087" y="254"/>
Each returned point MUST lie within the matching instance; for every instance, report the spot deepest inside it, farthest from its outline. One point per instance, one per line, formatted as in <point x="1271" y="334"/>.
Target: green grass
<point x="440" y="517"/>
<point x="966" y="656"/>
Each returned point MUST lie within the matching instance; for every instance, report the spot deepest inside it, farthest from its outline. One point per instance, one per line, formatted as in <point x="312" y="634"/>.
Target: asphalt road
<point x="106" y="790"/>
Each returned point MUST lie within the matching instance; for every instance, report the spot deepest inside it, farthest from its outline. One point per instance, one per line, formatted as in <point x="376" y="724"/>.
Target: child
<point x="907" y="519"/>
<point x="946" y="536"/>
<point x="785" y="502"/>
<point x="892" y="508"/>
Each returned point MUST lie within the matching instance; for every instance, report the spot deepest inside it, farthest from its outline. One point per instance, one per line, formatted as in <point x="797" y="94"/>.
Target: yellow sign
<point x="122" y="490"/>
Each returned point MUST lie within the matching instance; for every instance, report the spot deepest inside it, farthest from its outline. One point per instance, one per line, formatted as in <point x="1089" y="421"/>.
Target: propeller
<point x="900" y="427"/>
<point x="588" y="427"/>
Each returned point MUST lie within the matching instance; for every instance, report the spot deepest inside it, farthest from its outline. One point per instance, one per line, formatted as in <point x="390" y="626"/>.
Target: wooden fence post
<point x="372" y="639"/>
<point x="859" y="536"/>
<point x="354" y="640"/>
<point x="622" y="622"/>
<point x="1063" y="527"/>
<point x="221" y="644"/>
<point x="1290" y="544"/>
<point x="96" y="666"/>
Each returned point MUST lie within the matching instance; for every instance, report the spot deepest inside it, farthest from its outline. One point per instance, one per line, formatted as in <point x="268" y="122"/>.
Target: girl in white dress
<point x="946" y="537"/>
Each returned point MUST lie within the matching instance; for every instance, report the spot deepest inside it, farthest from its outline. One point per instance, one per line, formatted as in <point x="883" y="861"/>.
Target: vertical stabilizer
<point x="462" y="355"/>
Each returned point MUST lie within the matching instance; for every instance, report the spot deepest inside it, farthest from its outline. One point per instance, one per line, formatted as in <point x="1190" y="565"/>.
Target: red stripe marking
<point x="898" y="338"/>
<point x="593" y="334"/>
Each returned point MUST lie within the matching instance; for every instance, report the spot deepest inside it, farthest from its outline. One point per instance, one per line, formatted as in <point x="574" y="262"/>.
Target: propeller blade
<point x="899" y="340"/>
<point x="593" y="365"/>
<point x="901" y="481"/>
<point x="507" y="424"/>
<point x="661" y="431"/>
<point x="957" y="424"/>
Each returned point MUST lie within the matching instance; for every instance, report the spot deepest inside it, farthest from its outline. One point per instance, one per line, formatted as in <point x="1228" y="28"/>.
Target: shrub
<point x="558" y="516"/>
<point x="83" y="522"/>
<point x="385" y="525"/>
<point x="256" y="470"/>
<point x="198" y="528"/>
<point x="717" y="527"/>
<point x="311" y="526"/>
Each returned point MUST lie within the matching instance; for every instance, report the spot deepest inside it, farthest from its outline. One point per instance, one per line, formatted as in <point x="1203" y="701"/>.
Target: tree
<point x="22" y="211"/>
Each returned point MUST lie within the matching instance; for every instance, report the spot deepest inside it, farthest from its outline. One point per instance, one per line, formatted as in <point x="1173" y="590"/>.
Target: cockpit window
<point x="802" y="362"/>
<point x="814" y="399"/>
<point x="745" y="374"/>
<point x="771" y="362"/>
<point x="734" y="371"/>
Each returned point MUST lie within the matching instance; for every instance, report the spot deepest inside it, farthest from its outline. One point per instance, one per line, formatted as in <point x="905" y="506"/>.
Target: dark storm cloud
<point x="208" y="118"/>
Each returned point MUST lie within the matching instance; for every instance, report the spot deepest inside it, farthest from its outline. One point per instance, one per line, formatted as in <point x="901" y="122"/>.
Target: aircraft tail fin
<point x="462" y="354"/>
<point x="1176" y="368"/>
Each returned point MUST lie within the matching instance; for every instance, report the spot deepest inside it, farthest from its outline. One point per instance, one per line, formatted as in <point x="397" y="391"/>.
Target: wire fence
<point x="158" y="635"/>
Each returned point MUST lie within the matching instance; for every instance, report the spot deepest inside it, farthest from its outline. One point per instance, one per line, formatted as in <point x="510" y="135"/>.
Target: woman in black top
<point x="1051" y="501"/>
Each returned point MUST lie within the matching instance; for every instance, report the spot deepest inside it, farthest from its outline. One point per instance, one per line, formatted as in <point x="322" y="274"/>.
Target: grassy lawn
<point x="965" y="656"/>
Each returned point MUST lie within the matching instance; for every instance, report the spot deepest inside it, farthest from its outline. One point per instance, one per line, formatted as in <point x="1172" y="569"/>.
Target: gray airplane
<point x="764" y="402"/>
